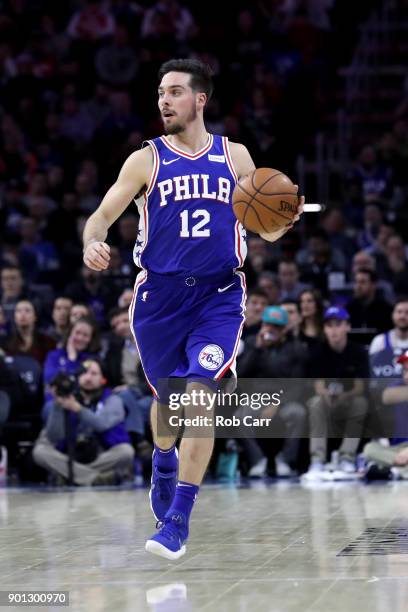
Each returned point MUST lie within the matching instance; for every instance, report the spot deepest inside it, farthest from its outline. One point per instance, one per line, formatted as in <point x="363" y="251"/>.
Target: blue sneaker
<point x="169" y="541"/>
<point x="162" y="490"/>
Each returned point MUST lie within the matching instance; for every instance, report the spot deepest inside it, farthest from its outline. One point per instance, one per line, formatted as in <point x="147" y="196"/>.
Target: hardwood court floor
<point x="268" y="548"/>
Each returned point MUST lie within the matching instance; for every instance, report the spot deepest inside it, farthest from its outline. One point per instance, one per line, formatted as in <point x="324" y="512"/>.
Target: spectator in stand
<point x="364" y="261"/>
<point x="16" y="396"/>
<point x="256" y="303"/>
<point x="339" y="369"/>
<point x="378" y="250"/>
<point x="400" y="134"/>
<point x="26" y="339"/>
<point x="179" y="20"/>
<point x="38" y="191"/>
<point x="367" y="309"/>
<point x="373" y="219"/>
<point x="92" y="22"/>
<point x="124" y="372"/>
<point x="257" y="259"/>
<point x="13" y="290"/>
<point x="61" y="225"/>
<point x="122" y="361"/>
<point x="4" y="411"/>
<point x="92" y="290"/>
<point x="387" y="347"/>
<point x="76" y="348"/>
<point x="319" y="260"/>
<point x="60" y="318"/>
<point x="311" y="311"/>
<point x="372" y="182"/>
<point x="119" y="275"/>
<point x="79" y="311"/>
<point x="291" y="307"/>
<point x="88" y="200"/>
<point x="4" y="327"/>
<point x="128" y="229"/>
<point x="98" y="107"/>
<point x="102" y="450"/>
<point x="395" y="252"/>
<point x="117" y="62"/>
<point x="271" y="354"/>
<point x="76" y="124"/>
<point x="290" y="286"/>
<point x="269" y="283"/>
<point x="125" y="298"/>
<point x="335" y="226"/>
<point x="394" y="458"/>
<point x="39" y="257"/>
<point x="56" y="182"/>
<point x="121" y="121"/>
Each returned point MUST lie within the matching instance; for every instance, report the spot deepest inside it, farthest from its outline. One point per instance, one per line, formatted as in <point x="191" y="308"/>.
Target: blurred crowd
<point x="78" y="82"/>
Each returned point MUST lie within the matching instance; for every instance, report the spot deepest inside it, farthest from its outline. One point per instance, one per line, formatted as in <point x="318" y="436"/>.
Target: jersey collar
<point x="199" y="153"/>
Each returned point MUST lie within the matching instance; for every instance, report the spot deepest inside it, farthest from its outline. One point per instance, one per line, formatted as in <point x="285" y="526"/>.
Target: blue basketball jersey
<point x="187" y="225"/>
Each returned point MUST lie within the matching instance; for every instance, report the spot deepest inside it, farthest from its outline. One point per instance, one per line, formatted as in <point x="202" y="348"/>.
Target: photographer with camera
<point x="87" y="421"/>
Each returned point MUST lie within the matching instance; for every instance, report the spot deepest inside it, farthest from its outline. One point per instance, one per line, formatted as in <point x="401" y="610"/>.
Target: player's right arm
<point x="134" y="175"/>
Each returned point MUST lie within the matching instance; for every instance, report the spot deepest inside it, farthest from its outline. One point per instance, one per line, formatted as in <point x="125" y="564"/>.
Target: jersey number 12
<point x="197" y="230"/>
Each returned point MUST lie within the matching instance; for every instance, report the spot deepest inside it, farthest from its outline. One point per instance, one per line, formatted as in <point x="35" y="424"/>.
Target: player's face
<point x="177" y="102"/>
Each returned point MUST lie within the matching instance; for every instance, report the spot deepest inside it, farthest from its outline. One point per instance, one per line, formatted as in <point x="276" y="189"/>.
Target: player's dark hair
<point x="201" y="74"/>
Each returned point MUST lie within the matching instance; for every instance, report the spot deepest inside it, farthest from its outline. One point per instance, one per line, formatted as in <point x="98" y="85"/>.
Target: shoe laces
<point x="169" y="526"/>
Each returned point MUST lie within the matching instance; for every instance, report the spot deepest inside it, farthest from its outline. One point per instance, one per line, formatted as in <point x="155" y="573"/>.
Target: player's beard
<point x="178" y="127"/>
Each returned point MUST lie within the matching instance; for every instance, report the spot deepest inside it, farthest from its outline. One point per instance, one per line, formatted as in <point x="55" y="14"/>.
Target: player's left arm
<point x="241" y="159"/>
<point x="244" y="164"/>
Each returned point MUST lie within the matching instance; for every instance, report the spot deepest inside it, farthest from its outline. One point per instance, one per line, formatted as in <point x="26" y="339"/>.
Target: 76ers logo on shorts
<point x="211" y="357"/>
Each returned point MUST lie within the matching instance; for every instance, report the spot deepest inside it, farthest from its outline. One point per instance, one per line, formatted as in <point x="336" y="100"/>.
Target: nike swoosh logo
<point x="225" y="288"/>
<point x="170" y="161"/>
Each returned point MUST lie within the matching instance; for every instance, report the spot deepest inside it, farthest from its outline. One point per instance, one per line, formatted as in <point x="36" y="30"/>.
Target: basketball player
<point x="188" y="306"/>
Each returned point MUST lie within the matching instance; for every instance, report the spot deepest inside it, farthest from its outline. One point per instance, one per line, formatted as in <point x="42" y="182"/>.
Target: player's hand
<point x="97" y="256"/>
<point x="300" y="209"/>
<point x="273" y="236"/>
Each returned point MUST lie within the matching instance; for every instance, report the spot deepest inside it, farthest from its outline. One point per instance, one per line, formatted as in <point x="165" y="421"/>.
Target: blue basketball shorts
<point x="187" y="327"/>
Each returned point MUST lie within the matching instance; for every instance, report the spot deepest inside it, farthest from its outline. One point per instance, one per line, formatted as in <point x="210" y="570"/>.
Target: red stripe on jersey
<point x="234" y="353"/>
<point x="229" y="158"/>
<point x="206" y="148"/>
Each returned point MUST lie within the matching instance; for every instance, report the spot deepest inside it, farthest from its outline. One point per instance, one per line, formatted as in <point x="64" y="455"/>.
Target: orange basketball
<point x="265" y="201"/>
